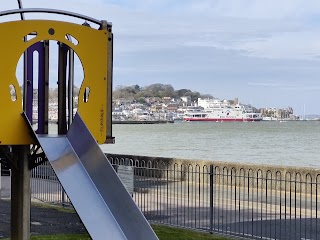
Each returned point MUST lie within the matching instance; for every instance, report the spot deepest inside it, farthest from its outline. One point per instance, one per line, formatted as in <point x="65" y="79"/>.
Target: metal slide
<point x="100" y="199"/>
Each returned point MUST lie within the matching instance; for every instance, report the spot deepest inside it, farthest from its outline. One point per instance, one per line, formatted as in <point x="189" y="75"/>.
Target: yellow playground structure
<point x="100" y="199"/>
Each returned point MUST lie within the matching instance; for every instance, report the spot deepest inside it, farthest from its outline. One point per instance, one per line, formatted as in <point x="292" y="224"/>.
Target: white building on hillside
<point x="186" y="100"/>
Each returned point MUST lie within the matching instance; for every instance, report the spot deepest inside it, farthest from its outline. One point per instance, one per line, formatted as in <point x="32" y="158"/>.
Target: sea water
<point x="292" y="143"/>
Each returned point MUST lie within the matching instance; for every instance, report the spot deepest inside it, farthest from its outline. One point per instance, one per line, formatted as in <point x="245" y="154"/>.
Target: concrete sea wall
<point x="279" y="178"/>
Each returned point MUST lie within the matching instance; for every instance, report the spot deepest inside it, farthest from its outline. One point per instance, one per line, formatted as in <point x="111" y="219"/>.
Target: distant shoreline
<point x="124" y="122"/>
<point x="172" y="121"/>
<point x="142" y="122"/>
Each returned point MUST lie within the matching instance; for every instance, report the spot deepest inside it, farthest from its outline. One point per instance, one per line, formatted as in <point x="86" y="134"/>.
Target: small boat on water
<point x="227" y="113"/>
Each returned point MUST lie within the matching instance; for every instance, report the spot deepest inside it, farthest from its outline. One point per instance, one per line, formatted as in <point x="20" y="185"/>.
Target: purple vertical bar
<point x="41" y="90"/>
<point x="39" y="47"/>
<point x="62" y="86"/>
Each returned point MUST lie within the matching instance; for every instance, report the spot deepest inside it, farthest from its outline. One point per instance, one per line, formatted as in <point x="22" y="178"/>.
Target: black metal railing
<point x="266" y="202"/>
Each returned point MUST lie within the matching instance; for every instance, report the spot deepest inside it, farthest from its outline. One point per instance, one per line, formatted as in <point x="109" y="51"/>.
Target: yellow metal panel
<point x="92" y="49"/>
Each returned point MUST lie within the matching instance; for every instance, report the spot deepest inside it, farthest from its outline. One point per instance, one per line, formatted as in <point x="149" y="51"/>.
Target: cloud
<point x="270" y="29"/>
<point x="254" y="28"/>
<point x="226" y="48"/>
<point x="287" y="86"/>
<point x="255" y="9"/>
<point x="273" y="84"/>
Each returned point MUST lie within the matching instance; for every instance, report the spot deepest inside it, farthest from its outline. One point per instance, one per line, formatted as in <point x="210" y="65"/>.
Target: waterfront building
<point x="186" y="100"/>
<point x="277" y="114"/>
<point x="156" y="108"/>
<point x="172" y="107"/>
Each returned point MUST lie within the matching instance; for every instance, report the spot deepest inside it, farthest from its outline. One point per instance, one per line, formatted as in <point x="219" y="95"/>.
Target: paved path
<point x="5" y="187"/>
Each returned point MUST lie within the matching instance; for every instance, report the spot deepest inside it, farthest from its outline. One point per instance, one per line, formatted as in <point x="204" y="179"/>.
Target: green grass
<point x="170" y="233"/>
<point x="62" y="237"/>
<point x="163" y="233"/>
<point x="52" y="206"/>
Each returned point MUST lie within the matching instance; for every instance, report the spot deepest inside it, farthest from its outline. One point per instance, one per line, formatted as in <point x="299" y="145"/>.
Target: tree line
<point x="155" y="90"/>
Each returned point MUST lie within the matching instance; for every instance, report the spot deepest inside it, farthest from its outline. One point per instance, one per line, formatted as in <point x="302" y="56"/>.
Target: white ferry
<point x="226" y="113"/>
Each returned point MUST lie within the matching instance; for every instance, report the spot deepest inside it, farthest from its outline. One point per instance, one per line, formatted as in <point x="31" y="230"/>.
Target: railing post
<point x="63" y="199"/>
<point x="211" y="197"/>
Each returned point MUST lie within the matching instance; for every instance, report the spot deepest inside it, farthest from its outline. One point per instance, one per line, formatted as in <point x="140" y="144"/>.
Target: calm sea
<point x="294" y="143"/>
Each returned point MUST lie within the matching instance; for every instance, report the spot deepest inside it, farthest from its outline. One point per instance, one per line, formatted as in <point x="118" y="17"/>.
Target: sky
<point x="265" y="52"/>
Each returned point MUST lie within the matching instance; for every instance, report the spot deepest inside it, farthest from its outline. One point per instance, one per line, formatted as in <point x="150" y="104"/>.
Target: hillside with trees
<point x="155" y="90"/>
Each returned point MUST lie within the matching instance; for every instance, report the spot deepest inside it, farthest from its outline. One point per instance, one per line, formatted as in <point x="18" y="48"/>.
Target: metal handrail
<point x="21" y="7"/>
<point x="54" y="11"/>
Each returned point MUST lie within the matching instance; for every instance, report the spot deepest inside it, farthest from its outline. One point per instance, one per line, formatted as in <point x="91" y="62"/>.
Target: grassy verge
<point x="62" y="237"/>
<point x="52" y="206"/>
<point x="170" y="233"/>
<point x="163" y="232"/>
